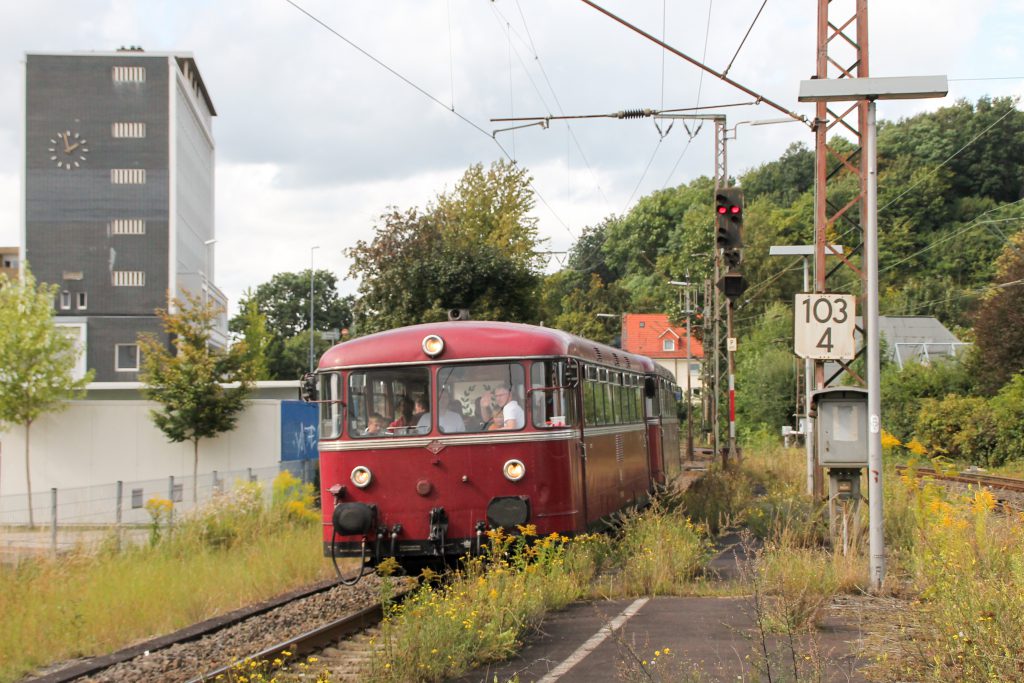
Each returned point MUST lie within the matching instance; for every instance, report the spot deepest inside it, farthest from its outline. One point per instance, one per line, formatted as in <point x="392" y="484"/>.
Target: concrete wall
<point x="109" y="436"/>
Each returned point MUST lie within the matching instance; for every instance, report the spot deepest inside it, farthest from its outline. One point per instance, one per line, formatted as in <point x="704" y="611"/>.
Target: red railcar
<point x="432" y="434"/>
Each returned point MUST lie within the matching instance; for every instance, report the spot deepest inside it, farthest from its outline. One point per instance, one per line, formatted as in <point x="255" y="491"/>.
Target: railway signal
<point x="732" y="284"/>
<point x="729" y="224"/>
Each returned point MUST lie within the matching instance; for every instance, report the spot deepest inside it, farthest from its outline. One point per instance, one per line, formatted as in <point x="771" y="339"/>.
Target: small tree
<point x="37" y="359"/>
<point x="190" y="382"/>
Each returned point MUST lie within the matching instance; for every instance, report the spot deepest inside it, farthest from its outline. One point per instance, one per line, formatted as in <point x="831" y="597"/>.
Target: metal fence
<point x="123" y="502"/>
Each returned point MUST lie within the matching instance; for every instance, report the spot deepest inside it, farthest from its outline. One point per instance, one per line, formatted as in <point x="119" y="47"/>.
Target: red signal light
<point x="721" y="209"/>
<point x="734" y="209"/>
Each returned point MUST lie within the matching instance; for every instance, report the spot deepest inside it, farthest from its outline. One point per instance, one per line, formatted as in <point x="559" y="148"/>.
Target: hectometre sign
<point x="824" y="325"/>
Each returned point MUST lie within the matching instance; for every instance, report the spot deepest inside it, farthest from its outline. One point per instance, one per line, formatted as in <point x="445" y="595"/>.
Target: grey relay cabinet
<point x="842" y="426"/>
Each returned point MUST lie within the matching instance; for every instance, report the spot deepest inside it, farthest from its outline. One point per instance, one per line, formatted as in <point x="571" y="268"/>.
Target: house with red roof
<point x="651" y="335"/>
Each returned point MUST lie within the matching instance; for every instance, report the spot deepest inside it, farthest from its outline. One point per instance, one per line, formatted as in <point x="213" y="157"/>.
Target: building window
<point x="126" y="357"/>
<point x="129" y="74"/>
<point x="83" y="301"/>
<point x="128" y="130"/>
<point x="136" y="499"/>
<point x="642" y="324"/>
<point x="10" y="261"/>
<point x="128" y="278"/>
<point x="128" y="176"/>
<point x="127" y="226"/>
<point x="668" y="345"/>
<point x="178" y="493"/>
<point x="65" y="300"/>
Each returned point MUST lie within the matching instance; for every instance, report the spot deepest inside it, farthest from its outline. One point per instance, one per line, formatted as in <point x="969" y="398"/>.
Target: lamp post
<point x="872" y="89"/>
<point x="312" y="357"/>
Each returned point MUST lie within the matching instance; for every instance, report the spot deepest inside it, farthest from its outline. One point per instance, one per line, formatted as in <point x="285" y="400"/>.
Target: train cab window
<point x="330" y="408"/>
<point x="552" y="402"/>
<point x="481" y="398"/>
<point x="387" y="402"/>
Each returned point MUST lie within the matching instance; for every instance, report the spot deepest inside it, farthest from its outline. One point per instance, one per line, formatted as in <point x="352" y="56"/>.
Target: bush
<point x="903" y="391"/>
<point x="962" y="428"/>
<point x="1008" y="413"/>
<point x="660" y="552"/>
<point x="293" y="500"/>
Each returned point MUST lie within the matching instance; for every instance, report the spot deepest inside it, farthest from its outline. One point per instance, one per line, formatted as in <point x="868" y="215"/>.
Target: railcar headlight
<point x="514" y="470"/>
<point x="361" y="476"/>
<point x="433" y="345"/>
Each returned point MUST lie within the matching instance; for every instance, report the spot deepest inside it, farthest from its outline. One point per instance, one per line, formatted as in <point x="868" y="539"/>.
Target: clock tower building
<point x="118" y="195"/>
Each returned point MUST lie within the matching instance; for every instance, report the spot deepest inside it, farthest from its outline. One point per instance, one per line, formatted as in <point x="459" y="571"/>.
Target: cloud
<point x="315" y="140"/>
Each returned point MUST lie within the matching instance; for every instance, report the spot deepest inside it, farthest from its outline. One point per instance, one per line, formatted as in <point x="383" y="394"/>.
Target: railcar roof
<point x="466" y="340"/>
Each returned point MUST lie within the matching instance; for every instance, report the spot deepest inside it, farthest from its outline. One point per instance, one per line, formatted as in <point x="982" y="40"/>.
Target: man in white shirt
<point x="511" y="415"/>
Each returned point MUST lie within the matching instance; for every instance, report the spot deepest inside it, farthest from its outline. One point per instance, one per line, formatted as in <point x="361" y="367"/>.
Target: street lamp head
<point x="209" y="242"/>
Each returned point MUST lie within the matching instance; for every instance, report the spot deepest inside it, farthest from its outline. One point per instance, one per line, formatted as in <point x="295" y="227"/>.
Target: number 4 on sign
<point x="824" y="325"/>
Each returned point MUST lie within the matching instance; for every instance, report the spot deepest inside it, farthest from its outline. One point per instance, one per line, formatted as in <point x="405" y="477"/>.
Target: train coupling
<point x="438" y="528"/>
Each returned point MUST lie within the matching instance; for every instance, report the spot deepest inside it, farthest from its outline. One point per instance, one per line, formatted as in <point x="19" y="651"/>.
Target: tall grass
<point x="233" y="553"/>
<point x="482" y="612"/>
<point x="965" y="567"/>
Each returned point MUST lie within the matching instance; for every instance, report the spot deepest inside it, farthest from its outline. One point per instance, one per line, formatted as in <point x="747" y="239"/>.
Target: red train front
<point x="432" y="434"/>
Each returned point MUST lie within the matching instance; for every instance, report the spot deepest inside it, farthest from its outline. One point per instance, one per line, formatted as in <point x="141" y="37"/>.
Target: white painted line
<point x="594" y="641"/>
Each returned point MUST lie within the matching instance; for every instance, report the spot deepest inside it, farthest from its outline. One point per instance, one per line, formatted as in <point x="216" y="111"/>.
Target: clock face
<point x="68" y="150"/>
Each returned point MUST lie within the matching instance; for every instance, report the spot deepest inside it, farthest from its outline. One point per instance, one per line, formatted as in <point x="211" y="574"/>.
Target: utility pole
<point x="688" y="310"/>
<point x="721" y="180"/>
<point x="312" y="355"/>
<point x="853" y="84"/>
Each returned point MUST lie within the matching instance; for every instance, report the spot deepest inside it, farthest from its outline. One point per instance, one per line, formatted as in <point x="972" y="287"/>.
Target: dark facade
<point x="99" y="191"/>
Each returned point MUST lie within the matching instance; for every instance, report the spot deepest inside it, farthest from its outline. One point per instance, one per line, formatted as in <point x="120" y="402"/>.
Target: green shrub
<point x="718" y="499"/>
<point x="1008" y="412"/>
<point x="660" y="552"/>
<point x="904" y="389"/>
<point x="960" y="427"/>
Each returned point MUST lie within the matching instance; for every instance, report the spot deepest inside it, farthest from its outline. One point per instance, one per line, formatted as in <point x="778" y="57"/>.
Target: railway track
<point x="1011" y="490"/>
<point x="324" y="619"/>
<point x="969" y="477"/>
<point x="345" y="646"/>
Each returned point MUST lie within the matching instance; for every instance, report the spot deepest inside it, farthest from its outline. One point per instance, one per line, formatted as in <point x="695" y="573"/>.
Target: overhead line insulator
<point x="634" y="113"/>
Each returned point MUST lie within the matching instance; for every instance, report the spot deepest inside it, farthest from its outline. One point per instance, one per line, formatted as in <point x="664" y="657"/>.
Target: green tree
<point x="37" y="359"/>
<point x="189" y="378"/>
<point x="784" y="180"/>
<point x="475" y="249"/>
<point x="903" y="391"/>
<point x="284" y="302"/>
<point x="999" y="323"/>
<point x="257" y="338"/>
<point x="766" y="372"/>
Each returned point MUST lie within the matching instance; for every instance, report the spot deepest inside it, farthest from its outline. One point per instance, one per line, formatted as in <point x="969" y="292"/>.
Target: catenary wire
<point x="745" y="36"/>
<point x="558" y="104"/>
<point x="431" y="97"/>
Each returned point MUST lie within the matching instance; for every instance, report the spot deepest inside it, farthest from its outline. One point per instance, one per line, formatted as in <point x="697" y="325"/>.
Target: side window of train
<point x="553" y="399"/>
<point x="330" y="408"/>
<point x="590" y="395"/>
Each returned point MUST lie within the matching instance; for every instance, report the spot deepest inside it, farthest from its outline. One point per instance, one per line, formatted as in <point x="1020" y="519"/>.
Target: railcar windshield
<point x="480" y="398"/>
<point x="386" y="402"/>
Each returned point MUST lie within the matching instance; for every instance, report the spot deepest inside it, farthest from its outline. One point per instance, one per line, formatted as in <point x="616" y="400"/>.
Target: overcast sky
<point x="315" y="140"/>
